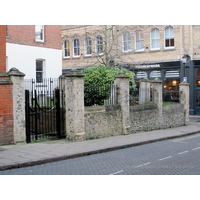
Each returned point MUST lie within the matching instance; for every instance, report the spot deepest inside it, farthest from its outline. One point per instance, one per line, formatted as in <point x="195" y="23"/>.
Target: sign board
<point x="185" y="79"/>
<point x="147" y="66"/>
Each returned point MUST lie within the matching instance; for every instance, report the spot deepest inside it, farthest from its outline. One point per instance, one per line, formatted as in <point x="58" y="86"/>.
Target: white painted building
<point x="35" y="50"/>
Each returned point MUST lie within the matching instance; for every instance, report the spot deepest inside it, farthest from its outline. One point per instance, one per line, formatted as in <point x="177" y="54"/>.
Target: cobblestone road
<point x="170" y="157"/>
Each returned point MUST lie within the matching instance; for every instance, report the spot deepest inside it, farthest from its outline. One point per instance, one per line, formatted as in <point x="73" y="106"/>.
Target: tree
<point x="108" y="54"/>
<point x="98" y="81"/>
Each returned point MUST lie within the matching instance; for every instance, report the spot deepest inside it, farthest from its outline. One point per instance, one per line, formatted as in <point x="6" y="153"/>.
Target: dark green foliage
<point x="98" y="81"/>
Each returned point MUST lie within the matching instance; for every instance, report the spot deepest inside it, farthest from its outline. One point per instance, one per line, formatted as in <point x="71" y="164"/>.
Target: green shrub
<point x="101" y="76"/>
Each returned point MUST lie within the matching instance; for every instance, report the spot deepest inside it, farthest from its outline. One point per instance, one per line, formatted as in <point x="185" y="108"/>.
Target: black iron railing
<point x="99" y="95"/>
<point x="45" y="109"/>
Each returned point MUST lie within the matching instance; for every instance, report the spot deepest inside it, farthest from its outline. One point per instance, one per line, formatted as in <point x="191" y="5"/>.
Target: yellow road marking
<point x="186" y="138"/>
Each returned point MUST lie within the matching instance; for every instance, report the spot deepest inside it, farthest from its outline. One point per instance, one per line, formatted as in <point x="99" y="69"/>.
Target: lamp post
<point x="184" y="60"/>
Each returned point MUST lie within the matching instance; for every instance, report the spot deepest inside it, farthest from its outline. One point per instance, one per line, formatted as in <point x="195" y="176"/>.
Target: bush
<point x="101" y="76"/>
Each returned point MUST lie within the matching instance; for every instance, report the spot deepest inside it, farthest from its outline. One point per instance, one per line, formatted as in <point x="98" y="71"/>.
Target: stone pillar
<point x="74" y="91"/>
<point x="157" y="93"/>
<point x="144" y="91"/>
<point x="184" y="97"/>
<point x="62" y="82"/>
<point x="122" y="85"/>
<point x="17" y="78"/>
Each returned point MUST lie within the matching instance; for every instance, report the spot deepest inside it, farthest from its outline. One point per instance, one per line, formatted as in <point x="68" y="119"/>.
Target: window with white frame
<point x="76" y="48"/>
<point x="39" y="33"/>
<point x="126" y="41"/>
<point x="39" y="71"/>
<point x="99" y="45"/>
<point x="88" y="46"/>
<point x="66" y="48"/>
<point x="155" y="39"/>
<point x="139" y="41"/>
<point x="169" y="37"/>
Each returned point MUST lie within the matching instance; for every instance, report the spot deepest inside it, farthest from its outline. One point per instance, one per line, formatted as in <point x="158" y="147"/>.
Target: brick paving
<point x="23" y="155"/>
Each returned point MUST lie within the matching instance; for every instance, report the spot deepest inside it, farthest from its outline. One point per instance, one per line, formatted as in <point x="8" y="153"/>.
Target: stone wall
<point x="148" y="118"/>
<point x="102" y="122"/>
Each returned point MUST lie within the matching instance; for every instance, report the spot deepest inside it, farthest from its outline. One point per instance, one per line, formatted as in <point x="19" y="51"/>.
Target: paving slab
<point x="22" y="155"/>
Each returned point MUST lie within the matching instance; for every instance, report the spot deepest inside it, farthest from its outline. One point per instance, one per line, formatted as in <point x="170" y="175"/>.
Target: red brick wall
<point x="6" y="96"/>
<point x="6" y="114"/>
<point x="25" y="34"/>
<point x="2" y="48"/>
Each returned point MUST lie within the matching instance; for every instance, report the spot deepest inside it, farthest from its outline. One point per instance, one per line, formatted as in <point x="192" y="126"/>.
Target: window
<point x="169" y="37"/>
<point x="66" y="46"/>
<point x="155" y="74"/>
<point x="141" y="75"/>
<point x="88" y="46"/>
<point x="99" y="45"/>
<point x="155" y="39"/>
<point x="126" y="42"/>
<point x="139" y="41"/>
<point x="39" y="33"/>
<point x="76" y="48"/>
<point x="172" y="74"/>
<point x="39" y="71"/>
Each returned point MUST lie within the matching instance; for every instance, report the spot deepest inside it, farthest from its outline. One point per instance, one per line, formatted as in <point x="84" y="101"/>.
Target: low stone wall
<point x="102" y="122"/>
<point x="107" y="121"/>
<point x="148" y="118"/>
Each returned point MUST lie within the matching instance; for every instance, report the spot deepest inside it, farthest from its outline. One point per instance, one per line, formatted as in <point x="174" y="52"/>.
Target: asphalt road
<point x="171" y="157"/>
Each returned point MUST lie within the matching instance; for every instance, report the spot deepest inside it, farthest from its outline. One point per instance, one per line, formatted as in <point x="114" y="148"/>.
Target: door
<point x="197" y="93"/>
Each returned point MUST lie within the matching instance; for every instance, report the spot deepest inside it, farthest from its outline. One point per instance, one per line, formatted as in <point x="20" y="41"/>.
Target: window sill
<point x="89" y="55"/>
<point x="169" y="49"/>
<point x="37" y="41"/>
<point x="142" y="51"/>
<point x="76" y="57"/>
<point x="66" y="58"/>
<point x="127" y="51"/>
<point x="154" y="50"/>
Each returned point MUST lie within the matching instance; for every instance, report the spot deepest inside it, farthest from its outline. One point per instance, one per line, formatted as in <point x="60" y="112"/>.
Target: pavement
<point x="23" y="155"/>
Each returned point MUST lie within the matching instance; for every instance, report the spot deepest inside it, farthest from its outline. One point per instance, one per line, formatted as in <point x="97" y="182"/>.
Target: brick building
<point x="149" y="50"/>
<point x="6" y="96"/>
<point x="35" y="50"/>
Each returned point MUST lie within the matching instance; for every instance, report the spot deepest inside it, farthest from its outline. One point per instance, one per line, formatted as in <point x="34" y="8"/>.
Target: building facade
<point x="149" y="50"/>
<point x="35" y="50"/>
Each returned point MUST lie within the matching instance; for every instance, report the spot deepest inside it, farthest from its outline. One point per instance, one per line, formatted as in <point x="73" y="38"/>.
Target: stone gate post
<point x="184" y="99"/>
<point x="74" y="91"/>
<point x="157" y="93"/>
<point x="144" y="91"/>
<point x="122" y="85"/>
<point x="17" y="78"/>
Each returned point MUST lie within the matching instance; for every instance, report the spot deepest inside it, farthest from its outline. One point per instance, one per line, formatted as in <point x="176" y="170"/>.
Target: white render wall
<point x="23" y="57"/>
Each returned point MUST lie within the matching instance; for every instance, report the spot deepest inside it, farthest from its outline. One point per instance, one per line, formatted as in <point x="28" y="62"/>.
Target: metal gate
<point x="45" y="110"/>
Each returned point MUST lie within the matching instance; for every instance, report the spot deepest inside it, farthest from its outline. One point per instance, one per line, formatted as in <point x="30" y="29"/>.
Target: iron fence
<point x="171" y="96"/>
<point x="45" y="109"/>
<point x="99" y="95"/>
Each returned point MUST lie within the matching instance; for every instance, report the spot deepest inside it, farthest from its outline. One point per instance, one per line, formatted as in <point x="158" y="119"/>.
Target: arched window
<point x="66" y="48"/>
<point x="98" y="44"/>
<point x="88" y="46"/>
<point x="169" y="37"/>
<point x="139" y="41"/>
<point x="155" y="39"/>
<point x="126" y="41"/>
<point x="76" y="47"/>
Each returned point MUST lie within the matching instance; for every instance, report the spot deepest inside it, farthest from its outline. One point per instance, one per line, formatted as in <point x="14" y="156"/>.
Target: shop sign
<point x="146" y="66"/>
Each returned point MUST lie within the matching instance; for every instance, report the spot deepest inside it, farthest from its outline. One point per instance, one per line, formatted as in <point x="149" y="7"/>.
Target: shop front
<point x="168" y="72"/>
<point x="172" y="74"/>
